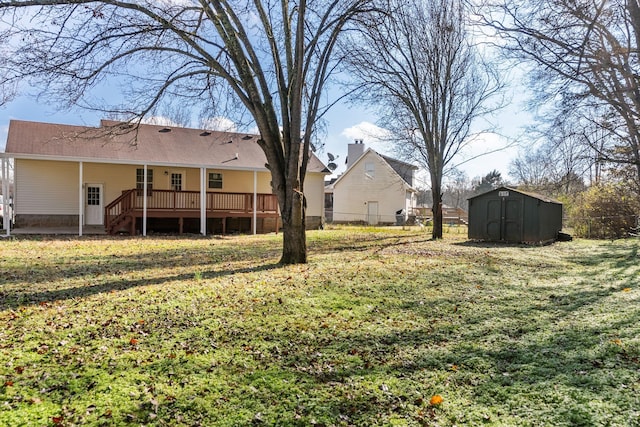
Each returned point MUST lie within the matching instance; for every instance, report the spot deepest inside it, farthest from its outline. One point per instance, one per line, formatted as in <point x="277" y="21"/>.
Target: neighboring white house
<point x="373" y="189"/>
<point x="195" y="180"/>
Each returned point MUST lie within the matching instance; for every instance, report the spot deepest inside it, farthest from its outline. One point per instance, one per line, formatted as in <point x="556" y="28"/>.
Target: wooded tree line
<point x="423" y="64"/>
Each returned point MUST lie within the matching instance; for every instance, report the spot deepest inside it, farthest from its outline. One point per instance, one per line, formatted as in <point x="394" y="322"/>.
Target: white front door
<point x="94" y="210"/>
<point x="372" y="213"/>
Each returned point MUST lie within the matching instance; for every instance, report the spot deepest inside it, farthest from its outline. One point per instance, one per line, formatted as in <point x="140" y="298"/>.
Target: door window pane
<point x="93" y="196"/>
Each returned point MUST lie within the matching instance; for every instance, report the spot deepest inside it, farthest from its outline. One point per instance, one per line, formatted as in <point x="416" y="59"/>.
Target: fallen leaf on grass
<point x="626" y="290"/>
<point x="8" y="383"/>
<point x="436" y="400"/>
<point x="133" y="341"/>
<point x="617" y="341"/>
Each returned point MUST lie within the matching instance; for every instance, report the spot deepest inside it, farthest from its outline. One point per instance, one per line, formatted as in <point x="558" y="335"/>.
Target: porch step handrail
<point x="118" y="209"/>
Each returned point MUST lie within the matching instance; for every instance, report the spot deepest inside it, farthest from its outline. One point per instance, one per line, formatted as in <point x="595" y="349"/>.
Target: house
<point x="510" y="215"/>
<point x="158" y="178"/>
<point x="374" y="189"/>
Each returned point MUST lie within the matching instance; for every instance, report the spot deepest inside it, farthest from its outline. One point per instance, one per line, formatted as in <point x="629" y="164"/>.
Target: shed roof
<point x="526" y="193"/>
<point x="151" y="144"/>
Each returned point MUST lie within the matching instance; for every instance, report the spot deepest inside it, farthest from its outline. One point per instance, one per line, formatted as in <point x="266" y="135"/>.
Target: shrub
<point x="605" y="211"/>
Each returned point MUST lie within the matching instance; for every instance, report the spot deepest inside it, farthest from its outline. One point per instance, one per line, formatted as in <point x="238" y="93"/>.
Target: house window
<point x="369" y="170"/>
<point x="140" y="180"/>
<point x="176" y="181"/>
<point x="215" y="180"/>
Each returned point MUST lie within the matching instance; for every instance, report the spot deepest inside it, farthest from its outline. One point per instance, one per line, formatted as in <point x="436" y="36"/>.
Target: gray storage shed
<point x="510" y="215"/>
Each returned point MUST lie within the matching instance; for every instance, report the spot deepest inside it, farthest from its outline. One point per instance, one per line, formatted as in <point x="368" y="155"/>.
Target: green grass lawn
<point x="211" y="331"/>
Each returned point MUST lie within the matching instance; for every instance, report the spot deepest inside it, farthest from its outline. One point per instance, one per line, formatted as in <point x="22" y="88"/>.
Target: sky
<point x="345" y="123"/>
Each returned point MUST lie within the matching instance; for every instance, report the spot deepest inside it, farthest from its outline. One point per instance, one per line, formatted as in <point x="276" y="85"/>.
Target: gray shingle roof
<point x="151" y="144"/>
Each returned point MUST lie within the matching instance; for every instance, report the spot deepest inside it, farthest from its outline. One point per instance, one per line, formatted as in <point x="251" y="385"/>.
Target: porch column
<point x="80" y="197"/>
<point x="144" y="201"/>
<point x="4" y="175"/>
<point x="203" y="201"/>
<point x="255" y="202"/>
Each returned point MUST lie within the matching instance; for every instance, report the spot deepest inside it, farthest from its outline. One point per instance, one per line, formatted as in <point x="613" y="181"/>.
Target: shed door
<point x="372" y="213"/>
<point x="494" y="219"/>
<point x="512" y="225"/>
<point x="504" y="219"/>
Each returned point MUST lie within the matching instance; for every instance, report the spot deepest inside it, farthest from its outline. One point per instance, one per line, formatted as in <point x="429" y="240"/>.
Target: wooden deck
<point x="123" y="213"/>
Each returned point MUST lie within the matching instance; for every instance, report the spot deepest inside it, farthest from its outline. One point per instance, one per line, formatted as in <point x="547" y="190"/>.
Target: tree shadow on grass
<point x="619" y="261"/>
<point x="541" y="372"/>
<point x="366" y="242"/>
<point x="482" y="244"/>
<point x="17" y="298"/>
<point x="535" y="361"/>
<point x="74" y="266"/>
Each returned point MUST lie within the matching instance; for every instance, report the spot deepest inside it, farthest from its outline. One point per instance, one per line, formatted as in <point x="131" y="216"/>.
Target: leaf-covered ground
<point x="211" y="331"/>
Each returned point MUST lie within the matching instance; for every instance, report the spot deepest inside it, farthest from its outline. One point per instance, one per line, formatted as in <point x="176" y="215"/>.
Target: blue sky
<point x="345" y="123"/>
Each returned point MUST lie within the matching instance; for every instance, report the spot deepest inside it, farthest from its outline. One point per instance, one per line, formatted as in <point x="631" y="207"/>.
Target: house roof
<point x="526" y="193"/>
<point x="117" y="142"/>
<point x="399" y="167"/>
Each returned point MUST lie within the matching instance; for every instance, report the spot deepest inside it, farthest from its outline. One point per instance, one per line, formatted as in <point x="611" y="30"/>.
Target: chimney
<point x="354" y="152"/>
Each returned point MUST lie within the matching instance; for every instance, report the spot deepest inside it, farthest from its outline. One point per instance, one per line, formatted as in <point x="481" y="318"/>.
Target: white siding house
<point x="196" y="180"/>
<point x="373" y="188"/>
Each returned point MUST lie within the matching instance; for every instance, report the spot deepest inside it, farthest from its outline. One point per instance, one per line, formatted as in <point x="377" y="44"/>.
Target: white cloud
<point x="366" y="131"/>
<point x="160" y="121"/>
<point x="373" y="136"/>
<point x="219" y="123"/>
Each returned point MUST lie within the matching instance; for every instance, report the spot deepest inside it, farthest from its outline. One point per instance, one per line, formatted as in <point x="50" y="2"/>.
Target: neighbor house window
<point x="215" y="180"/>
<point x="369" y="170"/>
<point x="140" y="180"/>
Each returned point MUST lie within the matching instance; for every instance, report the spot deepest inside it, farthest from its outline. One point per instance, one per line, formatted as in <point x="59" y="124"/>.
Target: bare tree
<point x="418" y="64"/>
<point x="587" y="57"/>
<point x="457" y="189"/>
<point x="274" y="56"/>
<point x="7" y="89"/>
<point x="563" y="159"/>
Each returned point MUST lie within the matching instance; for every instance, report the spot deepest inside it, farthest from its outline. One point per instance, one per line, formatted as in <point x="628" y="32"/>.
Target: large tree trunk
<point x="294" y="247"/>
<point x="437" y="212"/>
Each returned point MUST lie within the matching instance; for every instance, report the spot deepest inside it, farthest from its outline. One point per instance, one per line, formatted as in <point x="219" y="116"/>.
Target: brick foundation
<point x="27" y="220"/>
